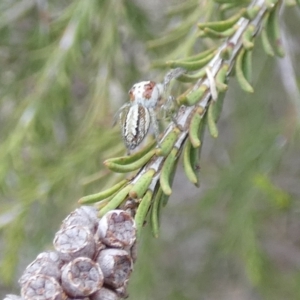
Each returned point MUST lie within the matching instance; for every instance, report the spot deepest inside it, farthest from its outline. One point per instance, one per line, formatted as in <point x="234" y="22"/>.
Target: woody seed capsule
<point x="117" y="229"/>
<point x="85" y="216"/>
<point x="42" y="287"/>
<point x="81" y="277"/>
<point x="47" y="263"/>
<point x="74" y="241"/>
<point x="116" y="265"/>
<point x="104" y="294"/>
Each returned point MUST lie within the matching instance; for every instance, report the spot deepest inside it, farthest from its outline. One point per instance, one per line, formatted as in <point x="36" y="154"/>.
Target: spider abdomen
<point x="135" y="125"/>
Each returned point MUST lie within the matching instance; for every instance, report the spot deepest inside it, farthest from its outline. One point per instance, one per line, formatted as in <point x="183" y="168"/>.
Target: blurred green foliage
<point x="66" y="67"/>
<point x="63" y="64"/>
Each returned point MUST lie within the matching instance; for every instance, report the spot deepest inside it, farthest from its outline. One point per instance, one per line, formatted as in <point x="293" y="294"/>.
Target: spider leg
<point x="173" y="74"/>
<point x="118" y="114"/>
<point x="154" y="124"/>
<point x="166" y="108"/>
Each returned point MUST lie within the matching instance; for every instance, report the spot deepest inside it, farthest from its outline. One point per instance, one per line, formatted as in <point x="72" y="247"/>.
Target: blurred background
<point x="66" y="68"/>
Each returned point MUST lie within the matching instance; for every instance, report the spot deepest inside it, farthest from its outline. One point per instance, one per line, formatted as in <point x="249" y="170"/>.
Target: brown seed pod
<point x="105" y="294"/>
<point x="85" y="216"/>
<point x="117" y="229"/>
<point x="47" y="263"/>
<point x="42" y="287"/>
<point x="74" y="241"/>
<point x="81" y="277"/>
<point x="116" y="265"/>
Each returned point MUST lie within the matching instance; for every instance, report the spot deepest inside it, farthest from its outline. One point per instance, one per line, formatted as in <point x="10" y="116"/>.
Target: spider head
<point x="146" y="93"/>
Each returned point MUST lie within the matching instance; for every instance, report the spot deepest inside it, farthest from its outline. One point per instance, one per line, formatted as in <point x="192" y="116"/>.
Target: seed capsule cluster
<point x="93" y="259"/>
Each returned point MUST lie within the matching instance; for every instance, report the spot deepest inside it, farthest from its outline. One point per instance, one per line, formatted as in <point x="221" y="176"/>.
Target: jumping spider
<point x="136" y="116"/>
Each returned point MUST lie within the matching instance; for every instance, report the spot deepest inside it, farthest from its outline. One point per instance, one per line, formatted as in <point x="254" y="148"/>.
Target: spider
<point x="136" y="116"/>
